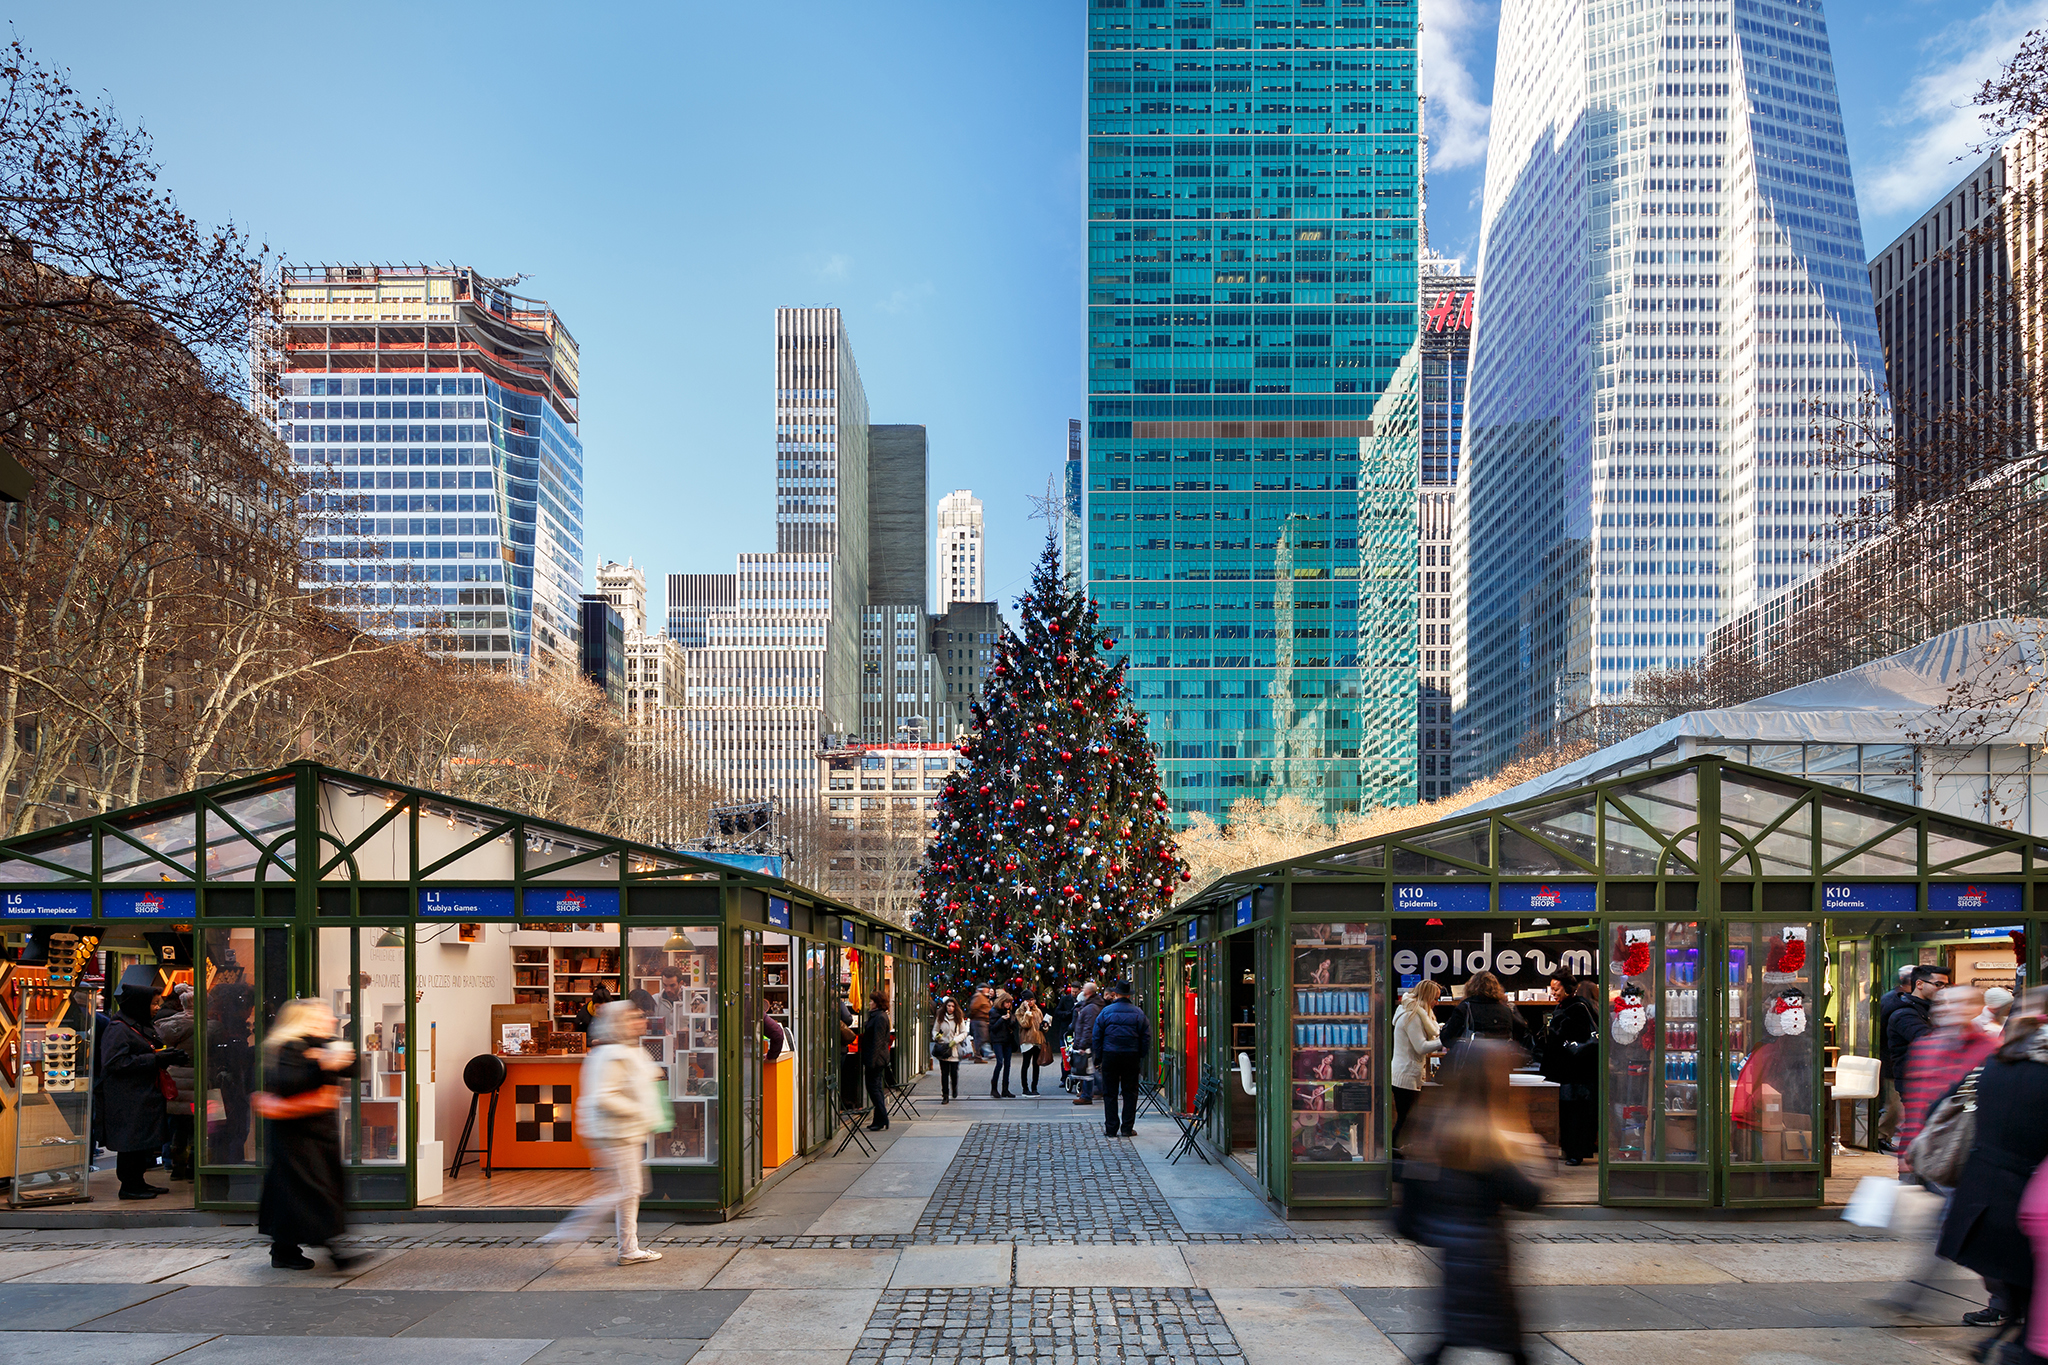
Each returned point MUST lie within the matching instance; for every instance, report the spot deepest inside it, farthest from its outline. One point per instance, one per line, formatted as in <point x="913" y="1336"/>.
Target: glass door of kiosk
<point x="748" y="1028"/>
<point x="1655" y="1125"/>
<point x="817" y="1035"/>
<point x="1772" y="1080"/>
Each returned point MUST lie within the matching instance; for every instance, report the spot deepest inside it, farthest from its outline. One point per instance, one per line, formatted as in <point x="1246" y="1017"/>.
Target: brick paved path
<point x="1053" y="1326"/>
<point x="1046" y="1182"/>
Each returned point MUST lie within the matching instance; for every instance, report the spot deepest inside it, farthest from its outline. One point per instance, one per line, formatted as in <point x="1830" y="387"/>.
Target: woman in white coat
<point x="617" y="1106"/>
<point x="1415" y="1039"/>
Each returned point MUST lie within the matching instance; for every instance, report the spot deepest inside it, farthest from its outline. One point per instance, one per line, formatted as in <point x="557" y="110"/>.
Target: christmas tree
<point x="1052" y="841"/>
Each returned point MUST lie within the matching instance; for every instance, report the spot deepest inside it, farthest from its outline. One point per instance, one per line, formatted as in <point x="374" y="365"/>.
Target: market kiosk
<point x="442" y="932"/>
<point x="1740" y="925"/>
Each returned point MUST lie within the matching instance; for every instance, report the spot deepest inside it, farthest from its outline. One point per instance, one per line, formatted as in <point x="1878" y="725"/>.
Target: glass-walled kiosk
<point x="1736" y="928"/>
<point x="464" y="951"/>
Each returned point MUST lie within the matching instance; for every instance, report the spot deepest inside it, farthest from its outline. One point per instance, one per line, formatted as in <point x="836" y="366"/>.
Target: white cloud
<point x="1452" y="32"/>
<point x="906" y="297"/>
<point x="834" y="267"/>
<point x="1932" y="123"/>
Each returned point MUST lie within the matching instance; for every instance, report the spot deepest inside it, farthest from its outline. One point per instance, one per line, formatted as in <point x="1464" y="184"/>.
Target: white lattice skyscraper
<point x="1674" y="276"/>
<point x="960" y="549"/>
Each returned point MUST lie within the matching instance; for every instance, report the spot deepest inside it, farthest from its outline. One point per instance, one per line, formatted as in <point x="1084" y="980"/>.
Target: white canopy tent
<point x="1958" y="724"/>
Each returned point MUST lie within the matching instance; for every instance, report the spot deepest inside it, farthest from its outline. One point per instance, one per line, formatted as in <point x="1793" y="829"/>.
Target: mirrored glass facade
<point x="1253" y="229"/>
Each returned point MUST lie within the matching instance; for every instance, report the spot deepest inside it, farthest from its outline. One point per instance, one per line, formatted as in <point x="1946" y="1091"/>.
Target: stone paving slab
<point x="616" y="1351"/>
<point x="237" y="1311"/>
<point x="462" y="1268"/>
<point x="1148" y="1266"/>
<point x="252" y="1267"/>
<point x="1239" y="1212"/>
<point x="62" y="1348"/>
<point x="1776" y="1264"/>
<point x="1276" y="1267"/>
<point x="1779" y="1306"/>
<point x="797" y="1320"/>
<point x="678" y="1268"/>
<point x="722" y="1356"/>
<point x="1556" y="1308"/>
<point x="1289" y="1326"/>
<point x="955" y="1267"/>
<point x="1634" y="1263"/>
<point x="1805" y="1346"/>
<point x="56" y="1307"/>
<point x="139" y="1266"/>
<point x="1417" y="1346"/>
<point x="1052" y="1326"/>
<point x="898" y="1180"/>
<point x="656" y="1314"/>
<point x="14" y="1263"/>
<point x="855" y="1215"/>
<point x="361" y="1351"/>
<point x="767" y="1268"/>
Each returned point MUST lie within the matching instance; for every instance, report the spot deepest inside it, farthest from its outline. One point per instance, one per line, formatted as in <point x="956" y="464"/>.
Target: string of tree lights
<point x="1053" y="840"/>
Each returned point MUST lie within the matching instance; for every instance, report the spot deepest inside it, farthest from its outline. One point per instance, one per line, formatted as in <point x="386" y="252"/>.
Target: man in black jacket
<point x="1122" y="1042"/>
<point x="1912" y="1018"/>
<point x="1891" y="1112"/>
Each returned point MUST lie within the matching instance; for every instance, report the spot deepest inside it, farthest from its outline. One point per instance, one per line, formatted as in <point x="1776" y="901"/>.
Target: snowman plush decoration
<point x="1631" y="1015"/>
<point x="1787" y="1016"/>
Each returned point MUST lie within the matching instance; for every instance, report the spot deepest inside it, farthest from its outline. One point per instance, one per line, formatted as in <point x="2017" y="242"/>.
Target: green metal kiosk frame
<point x="1746" y="920"/>
<point x="308" y="859"/>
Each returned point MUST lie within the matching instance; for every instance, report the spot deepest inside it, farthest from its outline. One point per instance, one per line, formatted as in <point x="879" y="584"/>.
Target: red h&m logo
<point x="1545" y="899"/>
<point x="1451" y="313"/>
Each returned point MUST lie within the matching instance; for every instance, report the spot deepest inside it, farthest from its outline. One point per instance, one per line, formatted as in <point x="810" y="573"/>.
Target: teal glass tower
<point x="1252" y="240"/>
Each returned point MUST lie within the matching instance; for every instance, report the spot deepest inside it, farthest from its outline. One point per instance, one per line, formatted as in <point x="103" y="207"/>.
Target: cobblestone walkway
<point x="1054" y="1326"/>
<point x="1040" y="1183"/>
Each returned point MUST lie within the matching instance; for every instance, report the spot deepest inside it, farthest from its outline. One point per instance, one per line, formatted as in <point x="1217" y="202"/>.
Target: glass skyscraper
<point x="1676" y="297"/>
<point x="432" y="417"/>
<point x="1252" y="238"/>
<point x="1407" y="591"/>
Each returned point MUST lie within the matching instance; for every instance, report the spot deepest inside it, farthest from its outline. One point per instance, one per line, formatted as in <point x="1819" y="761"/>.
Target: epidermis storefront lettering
<point x="1452" y="954"/>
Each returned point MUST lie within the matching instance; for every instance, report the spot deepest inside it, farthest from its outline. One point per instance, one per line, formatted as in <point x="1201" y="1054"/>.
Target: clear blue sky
<point x="667" y="175"/>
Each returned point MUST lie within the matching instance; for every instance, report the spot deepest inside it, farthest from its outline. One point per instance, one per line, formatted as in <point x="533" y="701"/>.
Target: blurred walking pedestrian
<point x="618" y="1103"/>
<point x="1935" y="1064"/>
<point x="1085" y="1012"/>
<point x="1002" y="1037"/>
<point x="1121" y="1044"/>
<point x="1416" y="1039"/>
<point x="305" y="1062"/>
<point x="1982" y="1229"/>
<point x="951" y="1040"/>
<point x="1891" y="1110"/>
<point x="1462" y="1172"/>
<point x="1031" y="1045"/>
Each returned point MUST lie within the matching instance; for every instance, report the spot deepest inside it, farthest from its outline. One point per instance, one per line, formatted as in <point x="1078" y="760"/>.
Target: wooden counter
<point x="536" y="1128"/>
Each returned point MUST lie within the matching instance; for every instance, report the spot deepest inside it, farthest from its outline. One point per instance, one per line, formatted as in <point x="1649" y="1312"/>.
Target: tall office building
<point x="1253" y="228"/>
<point x="601" y="657"/>
<point x="1407" y="591"/>
<point x="794" y="661"/>
<point x="693" y="599"/>
<point x="962" y="553"/>
<point x="1073" y="541"/>
<point x="654" y="661"/>
<point x="1960" y="309"/>
<point x="432" y="415"/>
<point x="1675" y="292"/>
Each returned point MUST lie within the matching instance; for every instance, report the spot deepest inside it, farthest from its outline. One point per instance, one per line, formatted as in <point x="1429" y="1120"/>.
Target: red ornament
<point x="1635" y="957"/>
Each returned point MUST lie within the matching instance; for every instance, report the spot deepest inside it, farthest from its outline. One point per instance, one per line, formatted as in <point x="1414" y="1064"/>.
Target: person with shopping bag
<point x="618" y="1104"/>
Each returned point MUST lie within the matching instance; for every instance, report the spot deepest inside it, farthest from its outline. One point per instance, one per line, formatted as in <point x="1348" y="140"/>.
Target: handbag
<point x="942" y="1050"/>
<point x="1943" y="1146"/>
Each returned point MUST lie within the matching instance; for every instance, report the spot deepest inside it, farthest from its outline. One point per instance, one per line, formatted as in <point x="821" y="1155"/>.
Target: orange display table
<point x="778" y="1111"/>
<point x="536" y="1127"/>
